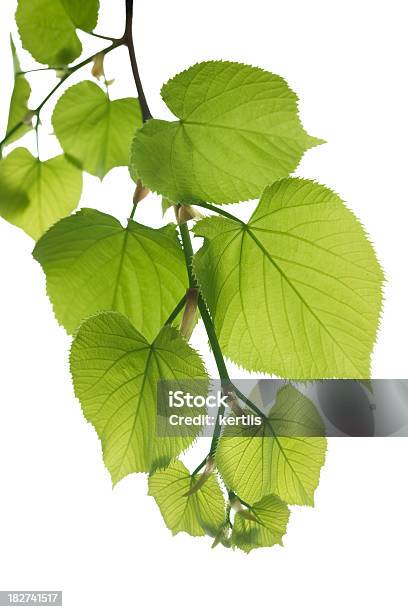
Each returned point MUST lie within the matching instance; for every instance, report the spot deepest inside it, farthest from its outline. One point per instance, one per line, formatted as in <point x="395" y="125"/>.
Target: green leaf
<point x="48" y="29"/>
<point x="95" y="130"/>
<point x="19" y="100"/>
<point x="198" y="514"/>
<point x="297" y="291"/>
<point x="238" y="131"/>
<point x="83" y="14"/>
<point x="115" y="371"/>
<point x="35" y="194"/>
<point x="272" y="515"/>
<point x="283" y="456"/>
<point x="92" y="263"/>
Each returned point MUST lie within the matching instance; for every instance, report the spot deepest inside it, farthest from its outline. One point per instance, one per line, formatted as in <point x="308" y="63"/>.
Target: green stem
<point x="174" y="314"/>
<point x="222" y="370"/>
<point x="215" y="345"/>
<point x="37" y="127"/>
<point x="212" y="336"/>
<point x="70" y="71"/>
<point x="228" y="516"/>
<point x="205" y="315"/>
<point x="176" y="311"/>
<point x="199" y="467"/>
<point x="249" y="403"/>
<point x="133" y="211"/>
<point x="188" y="254"/>
<point x="221" y="211"/>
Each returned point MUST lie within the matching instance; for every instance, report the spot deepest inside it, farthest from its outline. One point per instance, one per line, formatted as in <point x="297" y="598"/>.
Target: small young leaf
<point x="272" y="519"/>
<point x="94" y="129"/>
<point x="238" y="131"/>
<point x="166" y="204"/>
<point x="92" y="263"/>
<point x="284" y="460"/>
<point x="35" y="194"/>
<point x="198" y="514"/>
<point x="297" y="291"/>
<point x="115" y="371"/>
<point x="47" y="29"/>
<point x="19" y="100"/>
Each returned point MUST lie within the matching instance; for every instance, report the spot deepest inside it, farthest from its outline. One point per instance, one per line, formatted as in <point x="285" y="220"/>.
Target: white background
<point x="61" y="525"/>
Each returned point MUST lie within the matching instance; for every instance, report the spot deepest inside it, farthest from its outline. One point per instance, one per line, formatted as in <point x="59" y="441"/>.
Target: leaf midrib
<point x="184" y="123"/>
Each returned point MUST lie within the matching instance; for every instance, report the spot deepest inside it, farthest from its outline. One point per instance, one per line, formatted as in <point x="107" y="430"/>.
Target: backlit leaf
<point x="48" y="28"/>
<point x="272" y="518"/>
<point x="95" y="130"/>
<point x="115" y="371"/>
<point x="93" y="263"/>
<point x="35" y="194"/>
<point x="198" y="514"/>
<point x="297" y="291"/>
<point x="283" y="456"/>
<point x="19" y="101"/>
<point x="238" y="131"/>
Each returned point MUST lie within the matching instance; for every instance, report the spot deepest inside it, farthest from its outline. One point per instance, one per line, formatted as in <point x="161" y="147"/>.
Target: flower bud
<point x="28" y="119"/>
<point x="97" y="68"/>
<point x="61" y="73"/>
<point x="237" y="506"/>
<point x="190" y="313"/>
<point x="234" y="404"/>
<point x="187" y="213"/>
<point x="140" y="193"/>
<point x="208" y="470"/>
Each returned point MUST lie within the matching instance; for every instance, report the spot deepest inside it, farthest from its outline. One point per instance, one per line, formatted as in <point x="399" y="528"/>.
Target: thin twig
<point x="128" y="39"/>
<point x="101" y="36"/>
<point x="23" y="72"/>
<point x="70" y="71"/>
